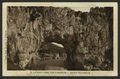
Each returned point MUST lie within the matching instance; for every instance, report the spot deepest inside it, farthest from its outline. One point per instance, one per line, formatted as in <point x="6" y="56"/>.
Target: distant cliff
<point x="86" y="36"/>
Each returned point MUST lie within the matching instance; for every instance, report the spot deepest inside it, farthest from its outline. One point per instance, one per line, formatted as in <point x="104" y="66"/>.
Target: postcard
<point x="60" y="39"/>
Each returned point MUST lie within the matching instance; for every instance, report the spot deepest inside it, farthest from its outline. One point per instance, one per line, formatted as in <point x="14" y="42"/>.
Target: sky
<point x="77" y="6"/>
<point x="57" y="44"/>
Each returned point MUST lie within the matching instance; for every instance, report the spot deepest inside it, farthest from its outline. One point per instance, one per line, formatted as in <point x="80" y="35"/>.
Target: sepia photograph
<point x="62" y="39"/>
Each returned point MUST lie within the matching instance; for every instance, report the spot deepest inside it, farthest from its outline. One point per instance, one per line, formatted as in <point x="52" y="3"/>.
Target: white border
<point x="84" y="6"/>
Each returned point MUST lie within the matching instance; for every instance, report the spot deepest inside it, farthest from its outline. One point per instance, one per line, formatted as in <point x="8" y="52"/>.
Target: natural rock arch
<point x="86" y="36"/>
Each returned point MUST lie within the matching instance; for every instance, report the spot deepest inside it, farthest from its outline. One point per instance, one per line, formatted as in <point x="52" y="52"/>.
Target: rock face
<point x="86" y="36"/>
